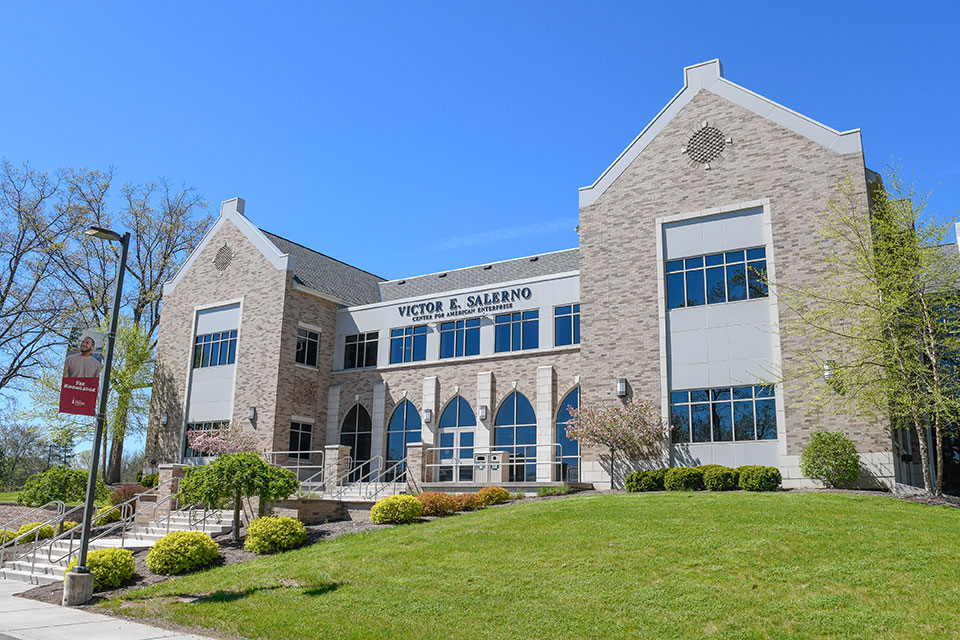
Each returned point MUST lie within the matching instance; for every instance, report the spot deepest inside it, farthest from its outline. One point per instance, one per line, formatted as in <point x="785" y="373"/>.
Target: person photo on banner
<point x="83" y="363"/>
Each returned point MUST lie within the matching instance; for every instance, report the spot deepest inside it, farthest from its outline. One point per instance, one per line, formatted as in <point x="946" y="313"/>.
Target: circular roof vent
<point x="223" y="259"/>
<point x="706" y="144"/>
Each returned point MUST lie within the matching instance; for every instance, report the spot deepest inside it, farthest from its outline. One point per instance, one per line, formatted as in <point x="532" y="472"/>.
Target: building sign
<point x="81" y="372"/>
<point x="465" y="305"/>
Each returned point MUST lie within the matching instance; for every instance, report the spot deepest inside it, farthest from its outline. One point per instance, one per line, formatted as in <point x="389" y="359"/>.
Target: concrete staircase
<point x="35" y="567"/>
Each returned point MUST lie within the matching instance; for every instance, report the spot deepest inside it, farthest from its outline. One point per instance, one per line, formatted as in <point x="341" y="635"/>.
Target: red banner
<point x="79" y="396"/>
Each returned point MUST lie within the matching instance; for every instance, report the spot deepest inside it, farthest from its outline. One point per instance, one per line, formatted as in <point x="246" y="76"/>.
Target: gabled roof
<point x="327" y="275"/>
<point x="709" y="76"/>
<point x="493" y="273"/>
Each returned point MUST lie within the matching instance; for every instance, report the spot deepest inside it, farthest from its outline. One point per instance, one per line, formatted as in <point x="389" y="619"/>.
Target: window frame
<point x="685" y="269"/>
<point x="413" y="342"/>
<point x="726" y="400"/>
<point x="199" y="426"/>
<point x="304" y="334"/>
<point x="519" y="330"/>
<point x="203" y="347"/>
<point x="297" y="451"/>
<point x="460" y="334"/>
<point x="363" y="344"/>
<point x="574" y="320"/>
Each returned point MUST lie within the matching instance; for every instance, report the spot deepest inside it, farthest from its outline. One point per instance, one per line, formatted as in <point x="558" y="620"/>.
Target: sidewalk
<point x="23" y="619"/>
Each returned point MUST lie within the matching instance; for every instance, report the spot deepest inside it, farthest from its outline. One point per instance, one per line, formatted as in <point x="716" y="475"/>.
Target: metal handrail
<point x="35" y="532"/>
<point x="456" y="462"/>
<point x="29" y="515"/>
<point x="323" y="474"/>
<point x="396" y="478"/>
<point x="274" y="457"/>
<point x="342" y="487"/>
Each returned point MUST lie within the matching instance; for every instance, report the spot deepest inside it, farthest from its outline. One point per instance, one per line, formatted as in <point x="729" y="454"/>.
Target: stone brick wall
<point x="619" y="297"/>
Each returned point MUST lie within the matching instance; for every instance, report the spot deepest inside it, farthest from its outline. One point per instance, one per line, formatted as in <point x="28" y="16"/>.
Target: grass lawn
<point x="8" y="496"/>
<point x="664" y="565"/>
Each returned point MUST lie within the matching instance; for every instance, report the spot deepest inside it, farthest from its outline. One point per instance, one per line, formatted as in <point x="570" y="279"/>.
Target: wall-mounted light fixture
<point x="829" y="367"/>
<point x="832" y="377"/>
<point x="251" y="413"/>
<point x="164" y="419"/>
<point x="483" y="412"/>
<point x="428" y="415"/>
<point x="621" y="387"/>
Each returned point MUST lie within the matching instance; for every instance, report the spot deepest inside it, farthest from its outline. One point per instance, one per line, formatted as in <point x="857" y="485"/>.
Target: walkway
<point x="23" y="619"/>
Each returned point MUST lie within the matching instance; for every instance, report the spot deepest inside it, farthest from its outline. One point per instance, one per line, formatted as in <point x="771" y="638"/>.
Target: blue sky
<point x="412" y="137"/>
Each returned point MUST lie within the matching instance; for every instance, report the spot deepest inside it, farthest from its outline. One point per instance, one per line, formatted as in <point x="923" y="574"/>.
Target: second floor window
<point x="215" y="349"/>
<point x="460" y="338"/>
<point x="719" y="277"/>
<point x="360" y="350"/>
<point x="517" y="331"/>
<point x="408" y="344"/>
<point x="301" y="434"/>
<point x="308" y="342"/>
<point x="566" y="325"/>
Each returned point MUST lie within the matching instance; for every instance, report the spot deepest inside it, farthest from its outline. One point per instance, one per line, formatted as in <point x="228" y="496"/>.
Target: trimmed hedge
<point x="830" y="457"/>
<point x="396" y="510"/>
<point x="6" y="535"/>
<point x="467" y="502"/>
<point x="492" y="495"/>
<point x="646" y="480"/>
<point x="718" y="478"/>
<point x="759" y="478"/>
<point x="150" y="480"/>
<point x="437" y="503"/>
<point x="66" y="525"/>
<point x="46" y="531"/>
<point x="269" y="534"/>
<point x="182" y="551"/>
<point x="683" y="479"/>
<point x="110" y="567"/>
<point x="106" y="515"/>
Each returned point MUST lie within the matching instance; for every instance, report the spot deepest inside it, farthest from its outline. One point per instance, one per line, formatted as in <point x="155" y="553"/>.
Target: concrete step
<point x="27" y="577"/>
<point x="38" y="567"/>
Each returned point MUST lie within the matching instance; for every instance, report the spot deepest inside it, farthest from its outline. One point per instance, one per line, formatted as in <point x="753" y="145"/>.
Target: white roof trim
<point x="709" y="75"/>
<point x="232" y="210"/>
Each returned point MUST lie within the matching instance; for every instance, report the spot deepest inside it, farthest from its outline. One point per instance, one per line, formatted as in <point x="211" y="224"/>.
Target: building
<point x="663" y="299"/>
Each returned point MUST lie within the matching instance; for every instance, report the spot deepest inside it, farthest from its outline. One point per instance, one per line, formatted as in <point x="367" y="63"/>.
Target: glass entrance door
<point x="456" y="455"/>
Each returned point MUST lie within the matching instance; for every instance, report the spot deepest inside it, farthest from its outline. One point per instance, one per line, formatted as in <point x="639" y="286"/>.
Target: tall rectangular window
<point x="308" y="343"/>
<point x="408" y="344"/>
<point x="718" y="277"/>
<point x="215" y="349"/>
<point x="199" y="426"/>
<point x="724" y="414"/>
<point x="361" y="350"/>
<point x="517" y="331"/>
<point x="566" y="325"/>
<point x="460" y="338"/>
<point x="301" y="434"/>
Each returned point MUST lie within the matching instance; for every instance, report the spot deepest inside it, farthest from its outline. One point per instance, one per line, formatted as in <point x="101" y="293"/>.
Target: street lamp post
<point x="78" y="586"/>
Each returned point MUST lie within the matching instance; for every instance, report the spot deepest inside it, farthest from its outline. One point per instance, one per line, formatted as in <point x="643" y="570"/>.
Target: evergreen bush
<point x="396" y="510"/>
<point x="759" y="478"/>
<point x="830" y="457"/>
<point x="110" y="567"/>
<point x="492" y="495"/>
<point x="182" y="551"/>
<point x="683" y="479"/>
<point x="720" y="478"/>
<point x="150" y="480"/>
<point x="107" y="515"/>
<point x="646" y="480"/>
<point x="269" y="534"/>
<point x="46" y="531"/>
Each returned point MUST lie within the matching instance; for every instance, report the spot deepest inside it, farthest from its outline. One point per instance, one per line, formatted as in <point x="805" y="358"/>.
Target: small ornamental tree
<point x="216" y="442"/>
<point x="633" y="430"/>
<point x="234" y="476"/>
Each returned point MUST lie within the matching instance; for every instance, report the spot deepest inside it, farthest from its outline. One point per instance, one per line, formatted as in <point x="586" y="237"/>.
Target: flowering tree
<point x="633" y="430"/>
<point x="217" y="442"/>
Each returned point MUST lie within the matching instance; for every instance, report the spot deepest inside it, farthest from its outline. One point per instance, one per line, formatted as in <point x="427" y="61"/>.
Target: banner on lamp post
<point x="81" y="372"/>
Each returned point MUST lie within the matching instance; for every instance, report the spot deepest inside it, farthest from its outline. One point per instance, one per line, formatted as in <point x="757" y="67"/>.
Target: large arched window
<point x="403" y="429"/>
<point x="355" y="433"/>
<point x="514" y="427"/>
<point x="456" y="428"/>
<point x="569" y="449"/>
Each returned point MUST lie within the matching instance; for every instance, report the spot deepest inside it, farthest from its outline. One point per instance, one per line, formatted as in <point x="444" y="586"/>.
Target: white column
<point x="544" y="423"/>
<point x="377" y="419"/>
<point x="333" y="415"/>
<point x="431" y="393"/>
<point x="484" y="398"/>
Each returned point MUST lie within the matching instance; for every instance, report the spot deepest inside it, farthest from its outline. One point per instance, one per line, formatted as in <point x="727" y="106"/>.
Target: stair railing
<point x="56" y="522"/>
<point x="395" y="472"/>
<point x="341" y="488"/>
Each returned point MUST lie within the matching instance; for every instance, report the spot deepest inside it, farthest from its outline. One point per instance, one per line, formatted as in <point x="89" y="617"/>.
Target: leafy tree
<point x="634" y="430"/>
<point x="234" y="476"/>
<point x="58" y="483"/>
<point x="216" y="442"/>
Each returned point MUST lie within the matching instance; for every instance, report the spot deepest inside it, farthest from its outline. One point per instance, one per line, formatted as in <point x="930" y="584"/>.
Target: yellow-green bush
<point x="110" y="567"/>
<point x="396" y="510"/>
<point x="492" y="495"/>
<point x="182" y="551"/>
<point x="69" y="524"/>
<point x="105" y="516"/>
<point x="7" y="535"/>
<point x="270" y="534"/>
<point x="46" y="531"/>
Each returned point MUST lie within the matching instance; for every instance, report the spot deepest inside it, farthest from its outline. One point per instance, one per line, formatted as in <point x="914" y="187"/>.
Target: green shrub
<point x="492" y="495"/>
<point x="759" y="478"/>
<point x="125" y="492"/>
<point x="467" y="501"/>
<point x="110" y="567"/>
<point x="831" y="457"/>
<point x="182" y="551"/>
<point x="270" y="534"/>
<point x="683" y="479"/>
<point x="46" y="531"/>
<point x="58" y="483"/>
<point x="150" y="480"/>
<point x="646" y="480"/>
<point x="437" y="503"/>
<point x="719" y="478"/>
<point x="6" y="535"/>
<point x="396" y="510"/>
<point x="106" y="515"/>
<point x="560" y="490"/>
<point x="66" y="525"/>
<point x="140" y="476"/>
<point x="518" y="495"/>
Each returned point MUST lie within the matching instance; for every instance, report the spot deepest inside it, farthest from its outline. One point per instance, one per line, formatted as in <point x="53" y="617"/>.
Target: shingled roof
<point x="482" y="275"/>
<point x="328" y="275"/>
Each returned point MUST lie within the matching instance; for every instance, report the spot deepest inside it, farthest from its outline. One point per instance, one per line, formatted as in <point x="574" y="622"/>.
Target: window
<point x="403" y="429"/>
<point x="460" y="338"/>
<point x="356" y="432"/>
<point x="215" y="349"/>
<point x="408" y="344"/>
<point x="361" y="350"/>
<point x="199" y="426"/>
<point x="457" y="427"/>
<point x="514" y="426"/>
<point x="569" y="458"/>
<point x="566" y="325"/>
<point x="300" y="436"/>
<point x="517" y="331"/>
<point x="726" y="414"/>
<point x="307" y="344"/>
<point x="719" y="277"/>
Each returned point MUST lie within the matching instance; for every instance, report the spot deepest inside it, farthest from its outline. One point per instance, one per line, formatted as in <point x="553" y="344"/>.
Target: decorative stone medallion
<point x="706" y="145"/>
<point x="223" y="258"/>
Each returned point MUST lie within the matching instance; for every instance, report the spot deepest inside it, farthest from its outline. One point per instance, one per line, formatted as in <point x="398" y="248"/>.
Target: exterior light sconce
<point x="251" y="413"/>
<point x="164" y="419"/>
<point x="621" y="387"/>
<point x="831" y="377"/>
<point x="428" y="415"/>
<point x="483" y="412"/>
